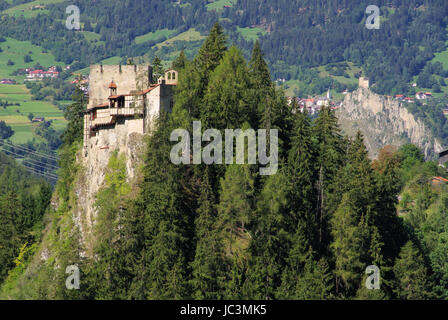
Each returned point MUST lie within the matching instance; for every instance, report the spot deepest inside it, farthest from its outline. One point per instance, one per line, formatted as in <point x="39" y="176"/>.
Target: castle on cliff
<point x="123" y="100"/>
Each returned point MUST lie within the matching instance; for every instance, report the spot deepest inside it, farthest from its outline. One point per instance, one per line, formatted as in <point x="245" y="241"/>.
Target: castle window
<point x="169" y="76"/>
<point x="174" y="75"/>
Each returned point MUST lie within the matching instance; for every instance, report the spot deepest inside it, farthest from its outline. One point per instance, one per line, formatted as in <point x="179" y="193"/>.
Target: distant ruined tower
<point x="364" y="82"/>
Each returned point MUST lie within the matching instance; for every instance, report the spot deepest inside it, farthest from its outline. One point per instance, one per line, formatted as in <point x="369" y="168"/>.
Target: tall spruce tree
<point x="271" y="106"/>
<point x="302" y="175"/>
<point x="157" y="68"/>
<point x="193" y="80"/>
<point x="316" y="283"/>
<point x="167" y="232"/>
<point x="9" y="239"/>
<point x="180" y="62"/>
<point x="329" y="160"/>
<point x="270" y="243"/>
<point x="412" y="275"/>
<point x="226" y="103"/>
<point x="299" y="253"/>
<point x="211" y="52"/>
<point x="347" y="247"/>
<point x="210" y="265"/>
<point x="236" y="204"/>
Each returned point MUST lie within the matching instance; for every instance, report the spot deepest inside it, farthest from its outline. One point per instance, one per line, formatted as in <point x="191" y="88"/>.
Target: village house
<point x="438" y="181"/>
<point x="40" y="74"/>
<point x="423" y="95"/>
<point x="7" y="81"/>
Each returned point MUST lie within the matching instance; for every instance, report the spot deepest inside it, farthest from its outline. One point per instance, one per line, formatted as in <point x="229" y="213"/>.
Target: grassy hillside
<point x="219" y="4"/>
<point x="153" y="36"/>
<point x="17" y="116"/>
<point x="251" y="34"/>
<point x="15" y="51"/>
<point x="190" y="35"/>
<point x="29" y="9"/>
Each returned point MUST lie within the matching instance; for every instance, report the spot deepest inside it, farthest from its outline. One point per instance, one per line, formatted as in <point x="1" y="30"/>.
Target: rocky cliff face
<point x="93" y="171"/>
<point x="384" y="121"/>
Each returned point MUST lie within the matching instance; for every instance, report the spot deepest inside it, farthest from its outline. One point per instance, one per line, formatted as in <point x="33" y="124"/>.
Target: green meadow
<point x="251" y="34"/>
<point x="17" y="116"/>
<point x="154" y="36"/>
<point x="189" y="35"/>
<point x="26" y="10"/>
<point x="15" y="51"/>
<point x="219" y="4"/>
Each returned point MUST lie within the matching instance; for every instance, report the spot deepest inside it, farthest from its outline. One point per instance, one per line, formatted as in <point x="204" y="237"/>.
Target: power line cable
<point x="45" y="169"/>
<point x="32" y="170"/>
<point x="43" y="176"/>
<point x="34" y="162"/>
<point x="30" y="151"/>
<point x="49" y="173"/>
<point x="25" y="149"/>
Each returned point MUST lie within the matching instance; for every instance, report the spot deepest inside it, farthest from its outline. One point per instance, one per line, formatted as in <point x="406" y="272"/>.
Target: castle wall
<point x="127" y="78"/>
<point x="116" y="130"/>
<point x="158" y="99"/>
<point x="364" y="82"/>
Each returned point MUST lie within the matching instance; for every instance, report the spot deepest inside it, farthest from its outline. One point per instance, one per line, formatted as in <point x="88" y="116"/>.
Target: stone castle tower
<point x="123" y="101"/>
<point x="364" y="82"/>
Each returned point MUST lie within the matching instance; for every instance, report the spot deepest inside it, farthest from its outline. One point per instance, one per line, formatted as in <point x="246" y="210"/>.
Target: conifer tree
<point x="226" y="103"/>
<point x="210" y="264"/>
<point x="389" y="185"/>
<point x="316" y="283"/>
<point x="180" y="62"/>
<point x="347" y="246"/>
<point x="75" y="117"/>
<point x="111" y="270"/>
<point x="236" y="203"/>
<point x="211" y="52"/>
<point x="299" y="253"/>
<point x="259" y="71"/>
<point x="9" y="241"/>
<point x="167" y="222"/>
<point x="301" y="172"/>
<point x="157" y="68"/>
<point x="329" y="160"/>
<point x="193" y="81"/>
<point x="273" y="112"/>
<point x="411" y="274"/>
<point x="270" y="242"/>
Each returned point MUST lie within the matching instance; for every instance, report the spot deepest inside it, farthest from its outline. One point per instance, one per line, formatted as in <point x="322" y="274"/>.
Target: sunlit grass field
<point x="15" y="51"/>
<point x="17" y="116"/>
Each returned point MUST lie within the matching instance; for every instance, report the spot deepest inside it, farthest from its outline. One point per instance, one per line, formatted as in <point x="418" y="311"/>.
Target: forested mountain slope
<point x="23" y="202"/>
<point x="225" y="232"/>
<point x="295" y="35"/>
